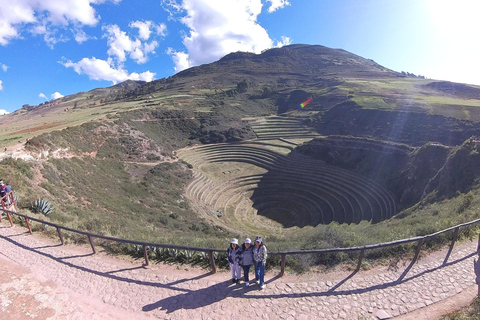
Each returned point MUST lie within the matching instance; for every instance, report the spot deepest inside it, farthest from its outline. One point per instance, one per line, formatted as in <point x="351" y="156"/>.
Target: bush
<point x="42" y="206"/>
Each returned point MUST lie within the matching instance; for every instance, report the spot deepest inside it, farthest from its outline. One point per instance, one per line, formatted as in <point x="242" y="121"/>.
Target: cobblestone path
<point x="44" y="280"/>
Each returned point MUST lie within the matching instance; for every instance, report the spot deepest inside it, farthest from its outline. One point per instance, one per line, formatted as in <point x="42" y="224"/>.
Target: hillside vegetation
<point x="224" y="150"/>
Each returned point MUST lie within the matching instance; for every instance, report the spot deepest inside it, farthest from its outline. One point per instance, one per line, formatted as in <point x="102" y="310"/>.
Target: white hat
<point x="259" y="239"/>
<point x="234" y="241"/>
<point x="248" y="240"/>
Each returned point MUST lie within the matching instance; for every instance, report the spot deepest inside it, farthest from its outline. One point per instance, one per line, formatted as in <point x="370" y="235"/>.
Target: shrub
<point x="42" y="206"/>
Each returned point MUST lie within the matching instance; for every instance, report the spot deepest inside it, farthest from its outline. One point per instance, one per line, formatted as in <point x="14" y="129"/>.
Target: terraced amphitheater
<point x="263" y="185"/>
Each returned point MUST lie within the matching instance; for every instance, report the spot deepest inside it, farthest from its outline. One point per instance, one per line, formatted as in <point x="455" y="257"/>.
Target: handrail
<point x="420" y="240"/>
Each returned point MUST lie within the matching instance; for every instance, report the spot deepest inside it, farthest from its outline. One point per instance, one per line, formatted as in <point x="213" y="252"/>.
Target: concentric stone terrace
<point x="265" y="184"/>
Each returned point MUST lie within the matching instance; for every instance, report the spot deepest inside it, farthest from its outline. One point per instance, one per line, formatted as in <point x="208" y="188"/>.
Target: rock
<point x="382" y="314"/>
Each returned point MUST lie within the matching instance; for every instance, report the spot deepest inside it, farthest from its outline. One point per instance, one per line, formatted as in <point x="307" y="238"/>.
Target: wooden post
<point x="59" y="231"/>
<point x="478" y="243"/>
<point x="28" y="225"/>
<point x="212" y="261"/>
<point x="145" y="255"/>
<point x="10" y="218"/>
<point x="282" y="264"/>
<point x="454" y="239"/>
<point x="417" y="252"/>
<point x="360" y="258"/>
<point x="92" y="244"/>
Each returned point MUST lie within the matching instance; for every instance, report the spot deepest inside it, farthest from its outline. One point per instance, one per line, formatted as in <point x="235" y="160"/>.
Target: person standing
<point x="247" y="260"/>
<point x="2" y="190"/>
<point x="7" y="190"/>
<point x="234" y="256"/>
<point x="260" y="261"/>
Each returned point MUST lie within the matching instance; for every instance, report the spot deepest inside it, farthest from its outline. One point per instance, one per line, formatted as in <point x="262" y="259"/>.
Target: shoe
<point x="258" y="281"/>
<point x="262" y="286"/>
<point x="247" y="284"/>
<point x="238" y="281"/>
<point x="234" y="280"/>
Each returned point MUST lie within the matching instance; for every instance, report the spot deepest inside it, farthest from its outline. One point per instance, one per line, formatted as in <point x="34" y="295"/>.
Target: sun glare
<point x="454" y="26"/>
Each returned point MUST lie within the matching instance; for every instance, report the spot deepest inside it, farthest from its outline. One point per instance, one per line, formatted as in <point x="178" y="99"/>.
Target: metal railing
<point x="283" y="254"/>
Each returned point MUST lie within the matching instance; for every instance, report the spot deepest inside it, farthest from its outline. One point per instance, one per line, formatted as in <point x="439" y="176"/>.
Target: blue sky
<point x="54" y="48"/>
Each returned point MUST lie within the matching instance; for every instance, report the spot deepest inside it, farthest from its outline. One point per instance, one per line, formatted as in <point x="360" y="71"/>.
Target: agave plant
<point x="42" y="206"/>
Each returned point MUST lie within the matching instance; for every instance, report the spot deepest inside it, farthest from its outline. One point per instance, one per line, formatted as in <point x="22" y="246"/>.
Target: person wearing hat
<point x="260" y="261"/>
<point x="247" y="260"/>
<point x="234" y="253"/>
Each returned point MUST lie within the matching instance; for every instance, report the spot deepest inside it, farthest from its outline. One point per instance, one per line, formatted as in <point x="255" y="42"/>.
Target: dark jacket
<point x="234" y="255"/>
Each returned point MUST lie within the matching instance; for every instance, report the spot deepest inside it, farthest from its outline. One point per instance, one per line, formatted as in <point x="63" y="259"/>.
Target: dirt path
<point x="44" y="280"/>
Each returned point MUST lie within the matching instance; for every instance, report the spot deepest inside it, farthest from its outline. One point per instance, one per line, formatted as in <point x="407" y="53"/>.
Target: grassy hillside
<point x="224" y="150"/>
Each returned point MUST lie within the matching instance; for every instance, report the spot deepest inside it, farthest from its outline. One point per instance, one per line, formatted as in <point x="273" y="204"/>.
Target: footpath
<point x="42" y="279"/>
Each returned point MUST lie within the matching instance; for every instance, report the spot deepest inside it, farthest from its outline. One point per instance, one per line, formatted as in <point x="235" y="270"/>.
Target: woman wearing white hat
<point x="247" y="260"/>
<point x="234" y="255"/>
<point x="260" y="261"/>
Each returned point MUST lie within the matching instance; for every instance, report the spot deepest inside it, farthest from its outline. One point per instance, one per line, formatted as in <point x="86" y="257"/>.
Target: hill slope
<point x="225" y="149"/>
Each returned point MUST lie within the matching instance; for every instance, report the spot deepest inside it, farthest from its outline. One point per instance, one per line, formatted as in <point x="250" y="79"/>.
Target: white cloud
<point x="56" y="95"/>
<point x="121" y="44"/>
<point x="217" y="28"/>
<point x="98" y="69"/>
<point x="4" y="67"/>
<point x="2" y="112"/>
<point x="277" y="4"/>
<point x="180" y="59"/>
<point x="48" y="17"/>
<point x="53" y="96"/>
<point x="81" y="36"/>
<point x="145" y="29"/>
<point x="285" y="41"/>
<point x="1" y="85"/>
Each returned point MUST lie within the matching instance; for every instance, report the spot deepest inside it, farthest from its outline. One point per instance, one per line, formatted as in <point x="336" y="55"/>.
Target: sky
<point x="54" y="48"/>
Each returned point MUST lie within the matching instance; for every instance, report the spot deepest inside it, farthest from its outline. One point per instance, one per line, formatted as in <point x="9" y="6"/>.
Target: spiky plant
<point x="42" y="206"/>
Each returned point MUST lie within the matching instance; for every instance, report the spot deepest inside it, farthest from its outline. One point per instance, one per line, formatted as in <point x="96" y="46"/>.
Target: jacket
<point x="247" y="256"/>
<point x="234" y="255"/>
<point x="260" y="254"/>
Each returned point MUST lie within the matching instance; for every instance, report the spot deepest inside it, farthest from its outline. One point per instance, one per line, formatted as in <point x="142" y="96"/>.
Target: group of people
<point x="243" y="256"/>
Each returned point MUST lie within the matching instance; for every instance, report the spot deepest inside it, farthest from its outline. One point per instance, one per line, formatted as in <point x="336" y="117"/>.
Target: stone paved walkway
<point x="44" y="280"/>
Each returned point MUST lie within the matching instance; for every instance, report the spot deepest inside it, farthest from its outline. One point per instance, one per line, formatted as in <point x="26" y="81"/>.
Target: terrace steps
<point x="311" y="191"/>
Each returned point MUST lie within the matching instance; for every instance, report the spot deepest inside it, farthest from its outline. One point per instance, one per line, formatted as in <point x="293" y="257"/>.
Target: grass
<point x="118" y="184"/>
<point x="467" y="313"/>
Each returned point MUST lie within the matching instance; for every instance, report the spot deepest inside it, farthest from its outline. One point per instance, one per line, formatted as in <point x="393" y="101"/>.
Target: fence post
<point x="145" y="255"/>
<point x="92" y="244"/>
<point x="282" y="264"/>
<point x="60" y="235"/>
<point x="417" y="252"/>
<point x="478" y="243"/>
<point x="212" y="261"/>
<point x="10" y="218"/>
<point x="454" y="239"/>
<point x="28" y="225"/>
<point x="360" y="258"/>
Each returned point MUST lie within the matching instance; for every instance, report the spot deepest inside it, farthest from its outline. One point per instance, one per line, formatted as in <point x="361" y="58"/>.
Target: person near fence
<point x="234" y="253"/>
<point x="247" y="260"/>
<point x="7" y="190"/>
<point x="260" y="261"/>
<point x="2" y="190"/>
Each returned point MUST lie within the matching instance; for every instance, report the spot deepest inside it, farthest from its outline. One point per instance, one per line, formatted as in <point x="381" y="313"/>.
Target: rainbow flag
<point x="304" y="103"/>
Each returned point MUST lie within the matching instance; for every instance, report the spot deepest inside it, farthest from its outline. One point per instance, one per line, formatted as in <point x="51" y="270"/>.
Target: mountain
<point x="225" y="149"/>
